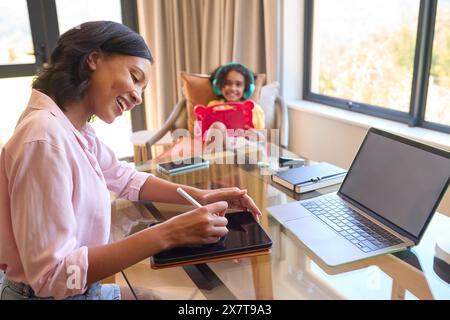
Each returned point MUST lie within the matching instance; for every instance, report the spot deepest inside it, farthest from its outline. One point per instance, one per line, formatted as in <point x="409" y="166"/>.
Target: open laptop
<point x="385" y="203"/>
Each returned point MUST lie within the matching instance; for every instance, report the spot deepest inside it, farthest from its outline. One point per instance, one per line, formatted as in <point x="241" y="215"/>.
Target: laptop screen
<point x="399" y="180"/>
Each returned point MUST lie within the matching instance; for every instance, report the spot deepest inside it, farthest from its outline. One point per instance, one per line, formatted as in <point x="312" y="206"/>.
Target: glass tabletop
<point x="291" y="271"/>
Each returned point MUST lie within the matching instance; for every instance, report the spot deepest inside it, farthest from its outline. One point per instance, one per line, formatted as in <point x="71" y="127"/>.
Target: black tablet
<point x="245" y="234"/>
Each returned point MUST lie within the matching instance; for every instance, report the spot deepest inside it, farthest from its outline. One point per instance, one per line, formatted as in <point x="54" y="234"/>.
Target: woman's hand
<point x="235" y="197"/>
<point x="200" y="226"/>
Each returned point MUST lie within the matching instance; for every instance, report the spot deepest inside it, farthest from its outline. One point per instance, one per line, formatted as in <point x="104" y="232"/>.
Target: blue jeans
<point x="10" y="290"/>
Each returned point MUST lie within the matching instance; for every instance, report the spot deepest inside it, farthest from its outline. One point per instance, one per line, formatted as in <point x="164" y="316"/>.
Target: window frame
<point x="421" y="72"/>
<point x="130" y="19"/>
<point x="44" y="33"/>
<point x="44" y="27"/>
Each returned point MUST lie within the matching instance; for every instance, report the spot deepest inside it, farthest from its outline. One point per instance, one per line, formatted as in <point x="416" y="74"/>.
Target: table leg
<point x="262" y="277"/>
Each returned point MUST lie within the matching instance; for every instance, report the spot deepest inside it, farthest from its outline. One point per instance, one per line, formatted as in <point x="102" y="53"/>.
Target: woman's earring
<point x="92" y="118"/>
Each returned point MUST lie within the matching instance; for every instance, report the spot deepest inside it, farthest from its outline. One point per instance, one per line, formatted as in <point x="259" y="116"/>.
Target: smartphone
<point x="182" y="165"/>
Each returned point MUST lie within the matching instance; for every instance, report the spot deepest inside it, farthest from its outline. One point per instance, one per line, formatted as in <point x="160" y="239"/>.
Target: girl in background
<point x="234" y="82"/>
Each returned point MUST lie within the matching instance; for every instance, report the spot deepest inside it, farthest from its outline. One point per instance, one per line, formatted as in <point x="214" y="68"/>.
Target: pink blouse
<point x="54" y="199"/>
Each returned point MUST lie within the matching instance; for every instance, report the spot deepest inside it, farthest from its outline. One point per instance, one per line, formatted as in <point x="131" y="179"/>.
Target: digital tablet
<point x="245" y="235"/>
<point x="182" y="165"/>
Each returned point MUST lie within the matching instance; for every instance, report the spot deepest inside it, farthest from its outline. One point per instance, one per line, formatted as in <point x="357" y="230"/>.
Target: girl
<point x="234" y="82"/>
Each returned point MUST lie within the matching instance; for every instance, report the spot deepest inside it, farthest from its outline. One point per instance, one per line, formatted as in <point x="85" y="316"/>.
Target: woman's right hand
<point x="200" y="226"/>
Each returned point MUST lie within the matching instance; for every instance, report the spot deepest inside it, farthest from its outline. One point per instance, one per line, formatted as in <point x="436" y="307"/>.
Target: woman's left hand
<point x="236" y="198"/>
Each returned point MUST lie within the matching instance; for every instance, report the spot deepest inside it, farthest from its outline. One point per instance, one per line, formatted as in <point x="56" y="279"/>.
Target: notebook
<point x="304" y="179"/>
<point x="245" y="237"/>
<point x="385" y="203"/>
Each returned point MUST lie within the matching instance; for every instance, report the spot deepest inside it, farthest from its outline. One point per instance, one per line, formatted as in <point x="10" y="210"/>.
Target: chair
<point x="197" y="89"/>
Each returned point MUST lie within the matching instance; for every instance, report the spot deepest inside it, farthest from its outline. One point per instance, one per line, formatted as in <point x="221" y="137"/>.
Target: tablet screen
<point x="245" y="234"/>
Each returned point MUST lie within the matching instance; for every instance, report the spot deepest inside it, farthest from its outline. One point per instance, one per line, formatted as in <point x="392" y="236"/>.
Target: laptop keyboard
<point x="363" y="233"/>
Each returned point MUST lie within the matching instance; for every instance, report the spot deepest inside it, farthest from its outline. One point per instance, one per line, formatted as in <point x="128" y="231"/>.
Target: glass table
<point x="291" y="271"/>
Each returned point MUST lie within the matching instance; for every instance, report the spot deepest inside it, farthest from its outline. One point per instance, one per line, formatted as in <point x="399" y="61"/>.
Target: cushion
<point x="269" y="93"/>
<point x="197" y="89"/>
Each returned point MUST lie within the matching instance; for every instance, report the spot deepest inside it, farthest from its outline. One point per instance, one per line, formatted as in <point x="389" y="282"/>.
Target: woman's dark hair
<point x="219" y="75"/>
<point x="68" y="75"/>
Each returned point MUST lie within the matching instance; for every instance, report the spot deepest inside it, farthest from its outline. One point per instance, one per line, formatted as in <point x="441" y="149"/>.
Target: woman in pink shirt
<point x="55" y="176"/>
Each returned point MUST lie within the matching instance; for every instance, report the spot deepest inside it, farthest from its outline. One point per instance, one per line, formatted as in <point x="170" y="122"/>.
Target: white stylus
<point x="184" y="194"/>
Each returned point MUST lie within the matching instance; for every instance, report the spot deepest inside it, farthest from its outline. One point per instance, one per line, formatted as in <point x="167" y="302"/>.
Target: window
<point x="12" y="104"/>
<point x="32" y="28"/>
<point x="22" y="50"/>
<point x="377" y="57"/>
<point x="438" y="98"/>
<point x="72" y="13"/>
<point x="16" y="43"/>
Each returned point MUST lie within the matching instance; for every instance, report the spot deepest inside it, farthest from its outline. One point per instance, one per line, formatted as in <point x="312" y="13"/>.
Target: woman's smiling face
<point x="117" y="84"/>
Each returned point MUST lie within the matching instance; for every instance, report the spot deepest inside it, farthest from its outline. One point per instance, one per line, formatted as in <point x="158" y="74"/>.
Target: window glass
<point x="438" y="98"/>
<point x="16" y="45"/>
<point x="13" y="104"/>
<point x="72" y="13"/>
<point x="363" y="51"/>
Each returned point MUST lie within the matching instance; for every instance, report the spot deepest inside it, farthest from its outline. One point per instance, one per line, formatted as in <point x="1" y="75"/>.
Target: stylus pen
<point x="185" y="195"/>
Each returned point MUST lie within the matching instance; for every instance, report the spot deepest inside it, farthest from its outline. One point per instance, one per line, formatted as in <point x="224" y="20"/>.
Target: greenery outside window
<point x="378" y="57"/>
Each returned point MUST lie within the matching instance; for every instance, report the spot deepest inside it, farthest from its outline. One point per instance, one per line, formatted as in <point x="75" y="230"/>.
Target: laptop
<point x="384" y="204"/>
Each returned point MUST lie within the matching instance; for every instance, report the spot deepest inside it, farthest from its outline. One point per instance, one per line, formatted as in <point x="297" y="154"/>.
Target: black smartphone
<point x="245" y="234"/>
<point x="182" y="165"/>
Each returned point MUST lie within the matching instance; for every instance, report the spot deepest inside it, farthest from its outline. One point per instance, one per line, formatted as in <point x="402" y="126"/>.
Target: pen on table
<point x="185" y="195"/>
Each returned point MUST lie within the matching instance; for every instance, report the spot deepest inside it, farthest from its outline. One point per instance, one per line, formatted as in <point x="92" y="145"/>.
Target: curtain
<point x="199" y="35"/>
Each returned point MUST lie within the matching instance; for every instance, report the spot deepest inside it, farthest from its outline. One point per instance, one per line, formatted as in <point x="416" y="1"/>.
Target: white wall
<point x="324" y="139"/>
<point x="292" y="46"/>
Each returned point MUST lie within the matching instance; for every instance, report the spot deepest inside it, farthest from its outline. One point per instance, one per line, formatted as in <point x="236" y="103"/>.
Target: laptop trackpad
<point x="290" y="211"/>
<point x="323" y="241"/>
<point x="310" y="229"/>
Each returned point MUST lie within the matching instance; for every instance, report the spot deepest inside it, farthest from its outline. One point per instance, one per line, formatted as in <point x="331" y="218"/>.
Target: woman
<point x="55" y="175"/>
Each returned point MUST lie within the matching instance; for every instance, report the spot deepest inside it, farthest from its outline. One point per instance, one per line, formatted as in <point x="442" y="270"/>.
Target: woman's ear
<point x="93" y="59"/>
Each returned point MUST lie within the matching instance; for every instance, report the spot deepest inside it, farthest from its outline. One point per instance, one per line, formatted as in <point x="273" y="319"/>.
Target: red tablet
<point x="234" y="115"/>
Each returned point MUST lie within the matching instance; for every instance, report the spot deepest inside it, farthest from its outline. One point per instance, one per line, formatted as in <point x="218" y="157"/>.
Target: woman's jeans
<point x="10" y="290"/>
